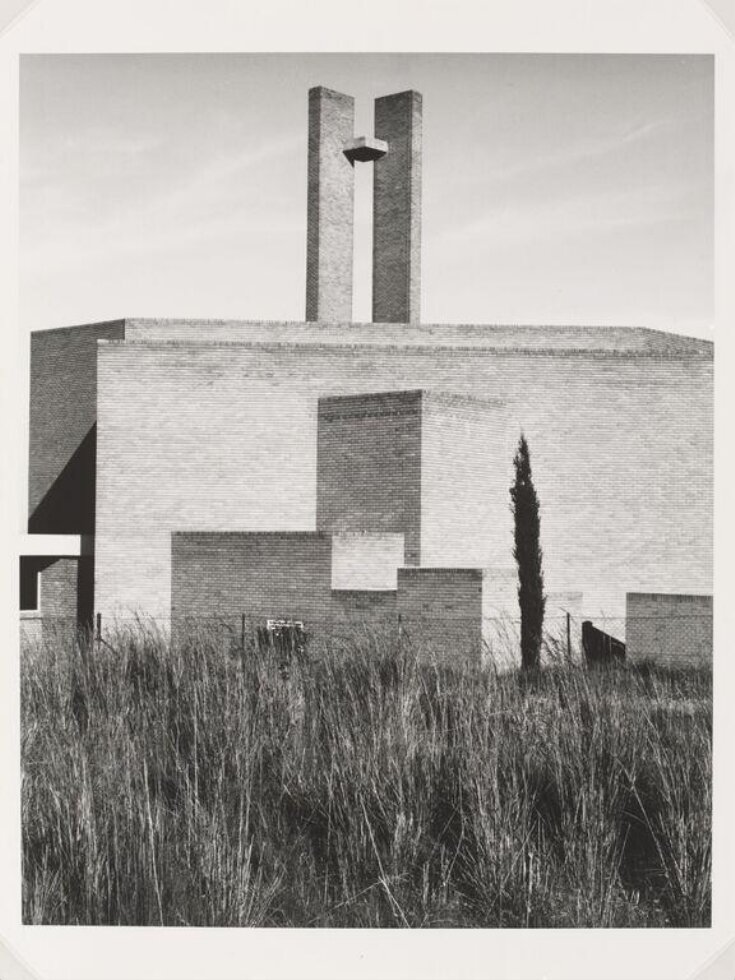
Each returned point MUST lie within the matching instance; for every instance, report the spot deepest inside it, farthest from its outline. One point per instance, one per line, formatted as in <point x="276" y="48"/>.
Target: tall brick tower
<point x="330" y="211"/>
<point x="333" y="151"/>
<point x="397" y="210"/>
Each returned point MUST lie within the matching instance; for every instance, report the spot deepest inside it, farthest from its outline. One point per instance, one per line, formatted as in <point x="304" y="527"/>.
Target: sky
<point x="557" y="189"/>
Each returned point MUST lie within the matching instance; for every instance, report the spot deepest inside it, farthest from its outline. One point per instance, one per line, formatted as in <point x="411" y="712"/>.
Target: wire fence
<point x="675" y="639"/>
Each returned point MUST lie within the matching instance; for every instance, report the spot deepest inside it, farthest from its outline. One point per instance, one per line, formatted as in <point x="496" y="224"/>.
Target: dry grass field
<point x="199" y="784"/>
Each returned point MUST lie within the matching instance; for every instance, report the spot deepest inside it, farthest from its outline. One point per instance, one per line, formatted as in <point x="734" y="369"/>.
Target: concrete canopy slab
<point x="56" y="545"/>
<point x="365" y="149"/>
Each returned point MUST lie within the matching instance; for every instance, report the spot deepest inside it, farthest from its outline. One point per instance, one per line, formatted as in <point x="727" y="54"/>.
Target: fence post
<point x="242" y="632"/>
<point x="99" y="628"/>
<point x="569" y="637"/>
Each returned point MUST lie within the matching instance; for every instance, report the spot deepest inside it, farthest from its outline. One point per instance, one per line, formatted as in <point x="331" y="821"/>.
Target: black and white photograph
<point x="366" y="568"/>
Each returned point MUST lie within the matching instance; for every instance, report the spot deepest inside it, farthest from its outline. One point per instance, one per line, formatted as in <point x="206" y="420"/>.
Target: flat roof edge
<point x="699" y="354"/>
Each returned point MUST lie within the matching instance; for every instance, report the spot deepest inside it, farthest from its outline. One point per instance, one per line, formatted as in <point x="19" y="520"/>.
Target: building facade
<point x="197" y="460"/>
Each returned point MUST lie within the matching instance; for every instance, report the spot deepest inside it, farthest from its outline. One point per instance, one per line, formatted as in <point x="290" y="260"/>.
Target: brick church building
<point x="328" y="471"/>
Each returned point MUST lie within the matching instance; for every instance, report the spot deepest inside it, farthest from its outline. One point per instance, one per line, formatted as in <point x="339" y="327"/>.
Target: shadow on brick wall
<point x="69" y="505"/>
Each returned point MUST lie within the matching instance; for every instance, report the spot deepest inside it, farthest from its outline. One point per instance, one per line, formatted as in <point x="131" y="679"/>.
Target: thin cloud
<point x="209" y="203"/>
<point x="572" y="214"/>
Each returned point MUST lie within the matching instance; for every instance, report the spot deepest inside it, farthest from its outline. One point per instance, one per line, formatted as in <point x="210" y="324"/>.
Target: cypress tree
<point x="528" y="555"/>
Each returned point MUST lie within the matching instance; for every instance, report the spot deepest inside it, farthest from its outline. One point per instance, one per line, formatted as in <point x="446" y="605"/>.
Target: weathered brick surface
<point x="431" y="463"/>
<point x="58" y="588"/>
<point x="500" y="615"/>
<point x="261" y="575"/>
<point x="669" y="629"/>
<point x="330" y="207"/>
<point x="63" y="411"/>
<point x="366" y="562"/>
<point x="63" y="593"/>
<point x="223" y="435"/>
<point x="357" y="606"/>
<point x="441" y="611"/>
<point x="397" y="210"/>
<point x="369" y="466"/>
<point x="466" y="450"/>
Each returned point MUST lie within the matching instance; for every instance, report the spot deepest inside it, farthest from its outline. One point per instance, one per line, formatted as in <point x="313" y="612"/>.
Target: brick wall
<point x="369" y="466"/>
<point x="58" y="588"/>
<point x="466" y="462"/>
<point x="430" y="462"/>
<point x="366" y="562"/>
<point x="64" y="596"/>
<point x="500" y="617"/>
<point x="368" y="607"/>
<point x="222" y="436"/>
<point x="264" y="576"/>
<point x="63" y="411"/>
<point x="441" y="610"/>
<point x="669" y="629"/>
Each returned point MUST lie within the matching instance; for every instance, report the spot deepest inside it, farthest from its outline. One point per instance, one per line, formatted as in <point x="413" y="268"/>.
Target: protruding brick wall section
<point x="369" y="466"/>
<point x="467" y="449"/>
<point x="397" y="210"/>
<point x="63" y="591"/>
<point x="63" y="413"/>
<point x="278" y="575"/>
<point x="675" y="630"/>
<point x="59" y="588"/>
<point x="433" y="464"/>
<point x="330" y="210"/>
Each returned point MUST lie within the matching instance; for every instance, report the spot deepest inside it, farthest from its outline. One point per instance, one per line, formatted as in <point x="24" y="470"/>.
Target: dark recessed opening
<point x="30" y="569"/>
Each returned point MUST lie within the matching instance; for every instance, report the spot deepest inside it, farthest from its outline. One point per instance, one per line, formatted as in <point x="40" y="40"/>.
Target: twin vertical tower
<point x="395" y="151"/>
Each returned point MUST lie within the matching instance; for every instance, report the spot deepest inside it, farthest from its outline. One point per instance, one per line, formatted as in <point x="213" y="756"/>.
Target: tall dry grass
<point x="197" y="784"/>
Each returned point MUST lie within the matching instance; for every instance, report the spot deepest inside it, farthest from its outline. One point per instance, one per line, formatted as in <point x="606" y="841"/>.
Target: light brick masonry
<point x="329" y="469"/>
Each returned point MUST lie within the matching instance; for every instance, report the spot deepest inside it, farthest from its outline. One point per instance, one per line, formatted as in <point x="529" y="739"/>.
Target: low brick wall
<point x="441" y="611"/>
<point x="64" y="596"/>
<point x="263" y="575"/>
<point x="675" y="630"/>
